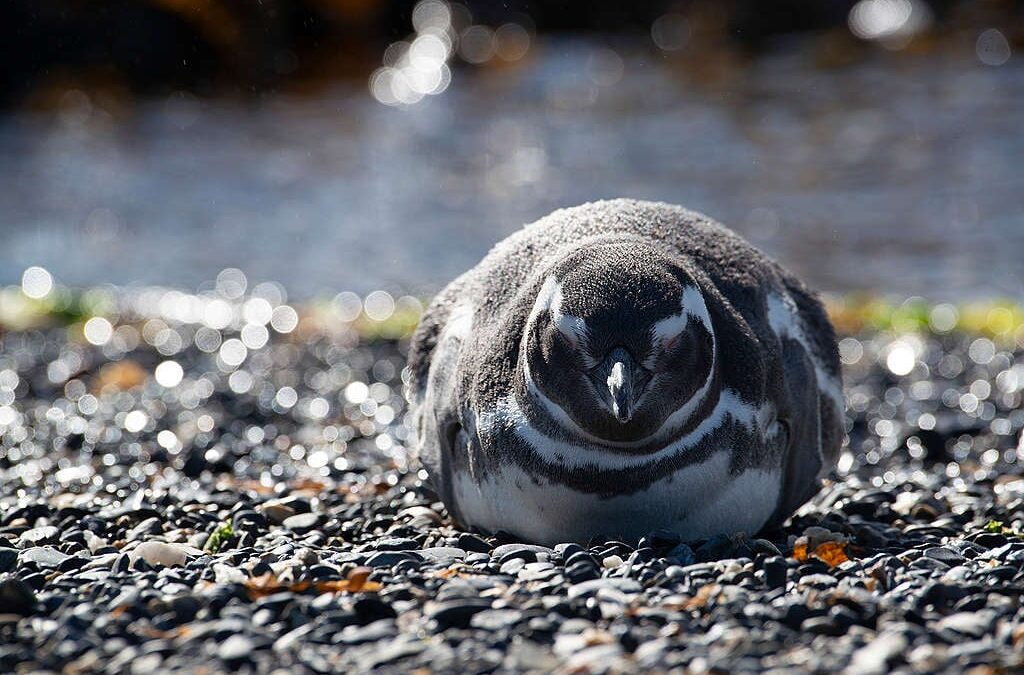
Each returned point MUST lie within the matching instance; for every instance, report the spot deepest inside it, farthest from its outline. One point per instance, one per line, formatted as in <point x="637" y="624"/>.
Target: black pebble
<point x="8" y="559"/>
<point x="471" y="542"/>
<point x="456" y="613"/>
<point x="369" y="609"/>
<point x="16" y="597"/>
<point x="775" y="571"/>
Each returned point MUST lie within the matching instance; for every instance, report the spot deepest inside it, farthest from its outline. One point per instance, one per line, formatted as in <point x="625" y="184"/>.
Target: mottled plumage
<point x="623" y="366"/>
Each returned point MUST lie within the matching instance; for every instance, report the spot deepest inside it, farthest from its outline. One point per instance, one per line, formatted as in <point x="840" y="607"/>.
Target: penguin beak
<point x="621" y="381"/>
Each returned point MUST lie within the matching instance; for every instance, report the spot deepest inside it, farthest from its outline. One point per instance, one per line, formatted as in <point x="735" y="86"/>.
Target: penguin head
<point x="619" y="338"/>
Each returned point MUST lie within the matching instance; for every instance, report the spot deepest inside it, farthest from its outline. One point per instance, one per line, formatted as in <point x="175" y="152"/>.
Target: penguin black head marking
<point x="618" y="340"/>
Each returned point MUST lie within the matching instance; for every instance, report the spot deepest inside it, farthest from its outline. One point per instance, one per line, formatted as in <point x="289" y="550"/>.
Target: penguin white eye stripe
<point x="545" y="295"/>
<point x="550" y="298"/>
<point x="692" y="307"/>
<point x="669" y="329"/>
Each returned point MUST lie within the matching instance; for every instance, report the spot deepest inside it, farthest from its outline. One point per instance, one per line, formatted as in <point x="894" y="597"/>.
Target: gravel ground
<point x="205" y="483"/>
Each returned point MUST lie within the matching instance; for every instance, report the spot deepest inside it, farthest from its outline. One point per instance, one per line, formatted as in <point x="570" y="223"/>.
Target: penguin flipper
<point x="441" y="439"/>
<point x="802" y="463"/>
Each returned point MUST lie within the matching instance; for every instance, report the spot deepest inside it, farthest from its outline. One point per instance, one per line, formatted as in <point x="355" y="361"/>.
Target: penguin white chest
<point x="697" y="501"/>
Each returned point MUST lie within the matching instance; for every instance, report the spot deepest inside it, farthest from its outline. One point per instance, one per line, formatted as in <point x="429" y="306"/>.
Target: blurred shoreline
<point x="873" y="150"/>
<point x="880" y="178"/>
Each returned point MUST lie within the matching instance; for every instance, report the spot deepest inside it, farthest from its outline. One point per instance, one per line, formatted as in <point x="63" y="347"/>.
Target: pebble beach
<point x="219" y="482"/>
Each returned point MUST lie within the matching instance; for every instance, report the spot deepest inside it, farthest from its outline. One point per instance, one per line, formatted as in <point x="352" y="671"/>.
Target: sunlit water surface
<point x="900" y="176"/>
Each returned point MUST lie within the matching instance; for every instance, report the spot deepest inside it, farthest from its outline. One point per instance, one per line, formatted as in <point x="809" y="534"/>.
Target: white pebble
<point x="612" y="562"/>
<point x="226" y="574"/>
<point x="159" y="553"/>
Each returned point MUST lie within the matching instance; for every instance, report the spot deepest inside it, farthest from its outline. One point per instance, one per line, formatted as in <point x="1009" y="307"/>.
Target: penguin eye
<point x="662" y="348"/>
<point x="566" y="340"/>
<point x="570" y="334"/>
<point x="671" y="343"/>
<point x="554" y="339"/>
<point x="667" y="334"/>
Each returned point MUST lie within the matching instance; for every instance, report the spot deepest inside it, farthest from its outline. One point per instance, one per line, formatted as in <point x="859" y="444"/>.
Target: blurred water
<point x="901" y="176"/>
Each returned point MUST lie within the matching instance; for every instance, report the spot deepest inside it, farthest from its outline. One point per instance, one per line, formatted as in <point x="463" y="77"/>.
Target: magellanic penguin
<point x="624" y="366"/>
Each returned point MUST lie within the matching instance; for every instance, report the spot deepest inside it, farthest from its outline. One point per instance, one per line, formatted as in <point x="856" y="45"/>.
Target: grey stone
<point x="235" y="648"/>
<point x="43" y="556"/>
<point x="591" y="587"/>
<point x="302" y="522"/>
<point x="443" y="554"/>
<point x="37" y="536"/>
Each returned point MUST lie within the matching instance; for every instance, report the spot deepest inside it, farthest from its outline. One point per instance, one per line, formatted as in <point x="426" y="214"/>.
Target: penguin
<point x="620" y="367"/>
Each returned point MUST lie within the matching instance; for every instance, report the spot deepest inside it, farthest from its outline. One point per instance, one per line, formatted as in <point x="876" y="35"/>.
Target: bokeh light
<point x="379" y="305"/>
<point x="233" y="352"/>
<point x="476" y="44"/>
<point x="605" y="67"/>
<point x="348" y="306"/>
<point x="511" y="42"/>
<point x="135" y="421"/>
<point x="901" y="358"/>
<point x="284" y="319"/>
<point x="36" y="282"/>
<point x="993" y="48"/>
<point x="98" y="331"/>
<point x="891" y="22"/>
<point x="418" y="67"/>
<point x="670" y="32"/>
<point x="169" y="374"/>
